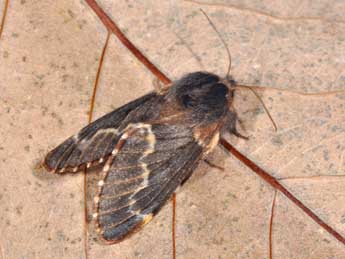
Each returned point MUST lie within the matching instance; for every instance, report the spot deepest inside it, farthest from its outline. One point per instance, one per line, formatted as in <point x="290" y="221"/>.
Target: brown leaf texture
<point x="49" y="52"/>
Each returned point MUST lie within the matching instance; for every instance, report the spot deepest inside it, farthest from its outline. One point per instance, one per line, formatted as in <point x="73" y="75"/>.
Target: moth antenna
<point x="262" y="88"/>
<point x="262" y="103"/>
<point x="222" y="40"/>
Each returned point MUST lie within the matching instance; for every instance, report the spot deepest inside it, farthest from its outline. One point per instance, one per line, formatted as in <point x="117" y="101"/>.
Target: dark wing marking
<point x="148" y="164"/>
<point x="94" y="142"/>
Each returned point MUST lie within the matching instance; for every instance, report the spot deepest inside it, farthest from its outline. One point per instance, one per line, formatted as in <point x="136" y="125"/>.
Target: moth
<point x="147" y="148"/>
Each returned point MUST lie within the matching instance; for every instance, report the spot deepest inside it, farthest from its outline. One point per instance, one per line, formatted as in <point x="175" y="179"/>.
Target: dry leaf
<point x="49" y="56"/>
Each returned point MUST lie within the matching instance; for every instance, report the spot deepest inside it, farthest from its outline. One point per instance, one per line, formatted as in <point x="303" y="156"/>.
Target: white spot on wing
<point x="213" y="143"/>
<point x="106" y="168"/>
<point x="124" y="136"/>
<point x="198" y="139"/>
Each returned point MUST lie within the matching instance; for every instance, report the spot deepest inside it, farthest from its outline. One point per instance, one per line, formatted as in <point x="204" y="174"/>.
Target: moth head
<point x="204" y="94"/>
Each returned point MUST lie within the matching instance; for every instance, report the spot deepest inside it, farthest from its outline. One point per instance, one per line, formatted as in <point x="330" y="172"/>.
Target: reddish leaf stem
<point x="108" y="23"/>
<point x="95" y="85"/>
<point x="271" y="225"/>
<point x="4" y="16"/>
<point x="276" y="185"/>
<point x="92" y="104"/>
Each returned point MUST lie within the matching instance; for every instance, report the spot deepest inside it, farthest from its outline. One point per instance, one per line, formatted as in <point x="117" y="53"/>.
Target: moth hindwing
<point x="146" y="149"/>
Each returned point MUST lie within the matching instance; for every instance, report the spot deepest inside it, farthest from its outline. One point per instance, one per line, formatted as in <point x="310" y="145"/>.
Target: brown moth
<point x="147" y="148"/>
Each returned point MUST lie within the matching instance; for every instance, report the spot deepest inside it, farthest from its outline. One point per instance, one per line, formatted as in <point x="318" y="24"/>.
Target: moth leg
<point x="230" y="125"/>
<point x="213" y="165"/>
